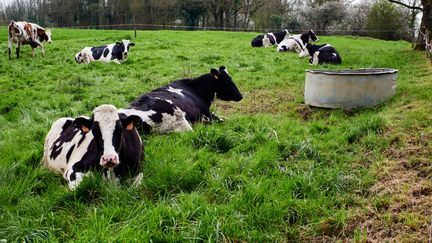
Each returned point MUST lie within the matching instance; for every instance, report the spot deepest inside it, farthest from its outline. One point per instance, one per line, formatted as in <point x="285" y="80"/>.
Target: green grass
<point x="268" y="173"/>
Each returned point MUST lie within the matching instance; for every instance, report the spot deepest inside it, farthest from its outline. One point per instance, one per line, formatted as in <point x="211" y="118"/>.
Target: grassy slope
<point x="275" y="169"/>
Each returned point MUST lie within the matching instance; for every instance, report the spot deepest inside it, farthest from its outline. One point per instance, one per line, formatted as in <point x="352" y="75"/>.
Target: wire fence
<point x="236" y="29"/>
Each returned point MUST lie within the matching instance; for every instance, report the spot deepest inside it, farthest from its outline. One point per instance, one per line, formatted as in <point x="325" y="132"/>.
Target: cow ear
<point x="119" y="43"/>
<point x="83" y="124"/>
<point x="215" y="73"/>
<point x="131" y="121"/>
<point x="132" y="44"/>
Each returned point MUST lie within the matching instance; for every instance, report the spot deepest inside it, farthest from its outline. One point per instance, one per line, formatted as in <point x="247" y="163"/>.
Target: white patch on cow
<point x="170" y="123"/>
<point x="266" y="41"/>
<point x="304" y="53"/>
<point x="173" y="123"/>
<point x="174" y="90"/>
<point x="144" y="115"/>
<point x="226" y="71"/>
<point x="334" y="54"/>
<point x="106" y="116"/>
<point x="315" y="58"/>
<point x="79" y="176"/>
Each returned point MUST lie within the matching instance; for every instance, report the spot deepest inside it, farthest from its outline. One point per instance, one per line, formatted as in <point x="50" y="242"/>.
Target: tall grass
<point x="268" y="173"/>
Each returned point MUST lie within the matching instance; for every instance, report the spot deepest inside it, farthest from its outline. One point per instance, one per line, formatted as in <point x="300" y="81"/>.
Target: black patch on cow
<point x="257" y="41"/>
<point x="280" y="36"/>
<point x="66" y="136"/>
<point x="72" y="176"/>
<point x="161" y="106"/>
<point x="117" y="136"/>
<point x="105" y="53"/>
<point x="271" y="38"/>
<point x="83" y="136"/>
<point x="69" y="153"/>
<point x="117" y="51"/>
<point x="97" y="52"/>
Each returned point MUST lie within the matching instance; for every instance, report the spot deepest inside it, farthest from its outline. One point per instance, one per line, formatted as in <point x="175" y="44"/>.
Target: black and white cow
<point x="297" y="43"/>
<point x="181" y="103"/>
<point x="107" y="142"/>
<point x="113" y="52"/>
<point x="320" y="54"/>
<point x="269" y="39"/>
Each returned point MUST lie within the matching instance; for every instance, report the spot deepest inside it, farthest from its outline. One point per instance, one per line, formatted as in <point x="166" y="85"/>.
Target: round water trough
<point x="350" y="88"/>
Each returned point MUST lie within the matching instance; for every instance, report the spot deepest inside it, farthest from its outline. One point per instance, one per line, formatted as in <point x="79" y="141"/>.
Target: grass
<point x="275" y="170"/>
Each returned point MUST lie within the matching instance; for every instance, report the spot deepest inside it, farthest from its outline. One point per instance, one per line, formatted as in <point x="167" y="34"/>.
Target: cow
<point x="270" y="39"/>
<point x="320" y="54"/>
<point x="297" y="43"/>
<point x="112" y="52"/>
<point x="107" y="142"/>
<point x="176" y="106"/>
<point x="25" y="33"/>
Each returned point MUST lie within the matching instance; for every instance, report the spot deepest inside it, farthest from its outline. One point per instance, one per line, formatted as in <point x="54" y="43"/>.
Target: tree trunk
<point x="426" y="23"/>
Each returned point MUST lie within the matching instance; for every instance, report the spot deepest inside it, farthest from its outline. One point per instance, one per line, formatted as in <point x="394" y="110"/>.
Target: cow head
<point x="225" y="87"/>
<point x="124" y="46"/>
<point x="44" y="35"/>
<point x="79" y="58"/>
<point x="107" y="126"/>
<point x="257" y="41"/>
<point x="312" y="36"/>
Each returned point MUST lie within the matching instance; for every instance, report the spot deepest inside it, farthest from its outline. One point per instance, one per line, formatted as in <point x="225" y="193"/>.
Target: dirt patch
<point x="258" y="101"/>
<point x="401" y="205"/>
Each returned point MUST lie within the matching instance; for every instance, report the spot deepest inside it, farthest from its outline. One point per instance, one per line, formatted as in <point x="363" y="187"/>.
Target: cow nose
<point x="109" y="161"/>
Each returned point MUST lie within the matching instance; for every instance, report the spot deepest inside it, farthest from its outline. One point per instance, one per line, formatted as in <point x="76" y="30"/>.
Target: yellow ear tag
<point x="130" y="126"/>
<point x="85" y="129"/>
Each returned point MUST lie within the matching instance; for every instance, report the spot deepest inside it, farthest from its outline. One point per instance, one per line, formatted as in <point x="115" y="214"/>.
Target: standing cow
<point x="25" y="33"/>
<point x="178" y="105"/>
<point x="112" y="52"/>
<point x="108" y="142"/>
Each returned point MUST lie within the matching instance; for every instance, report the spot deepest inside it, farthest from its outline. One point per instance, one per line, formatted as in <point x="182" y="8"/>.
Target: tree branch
<point x="406" y="5"/>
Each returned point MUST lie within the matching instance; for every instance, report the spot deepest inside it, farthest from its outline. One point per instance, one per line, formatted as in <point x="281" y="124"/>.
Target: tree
<point x="191" y="11"/>
<point x="426" y="22"/>
<point x="383" y="21"/>
<point x="324" y="13"/>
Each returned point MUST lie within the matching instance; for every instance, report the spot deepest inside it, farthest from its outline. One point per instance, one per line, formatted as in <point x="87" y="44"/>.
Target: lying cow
<point x="178" y="105"/>
<point x="108" y="142"/>
<point x="113" y="52"/>
<point x="320" y="54"/>
<point x="297" y="43"/>
<point x="25" y="33"/>
<point x="269" y="39"/>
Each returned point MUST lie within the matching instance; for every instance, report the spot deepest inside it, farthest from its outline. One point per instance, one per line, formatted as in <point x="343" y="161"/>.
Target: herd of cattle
<point x="302" y="44"/>
<point x="109" y="140"/>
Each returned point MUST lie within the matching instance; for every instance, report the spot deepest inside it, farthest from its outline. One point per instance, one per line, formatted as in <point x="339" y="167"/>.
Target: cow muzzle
<point x="109" y="160"/>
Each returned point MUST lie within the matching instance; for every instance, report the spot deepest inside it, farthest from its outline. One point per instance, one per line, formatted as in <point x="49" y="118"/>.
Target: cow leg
<point x="117" y="61"/>
<point x="42" y="49"/>
<point x="33" y="52"/>
<point x="10" y="47"/>
<point x="18" y="49"/>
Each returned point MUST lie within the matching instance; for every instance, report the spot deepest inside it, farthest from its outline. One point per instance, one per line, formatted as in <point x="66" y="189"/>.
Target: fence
<point x="428" y="44"/>
<point x="396" y="34"/>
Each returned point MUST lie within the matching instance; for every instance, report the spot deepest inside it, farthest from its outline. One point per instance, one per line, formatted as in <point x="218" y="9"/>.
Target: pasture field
<point x="275" y="170"/>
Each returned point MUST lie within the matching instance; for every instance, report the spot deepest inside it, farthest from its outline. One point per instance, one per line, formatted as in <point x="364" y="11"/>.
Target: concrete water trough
<point x="351" y="88"/>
